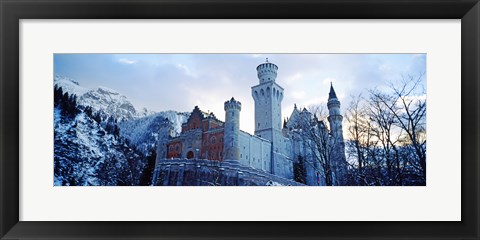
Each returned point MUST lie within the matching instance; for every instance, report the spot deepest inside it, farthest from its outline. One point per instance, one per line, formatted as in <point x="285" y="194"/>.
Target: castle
<point x="300" y="148"/>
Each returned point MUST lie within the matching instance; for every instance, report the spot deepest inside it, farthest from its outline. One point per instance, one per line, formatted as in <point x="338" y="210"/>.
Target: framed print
<point x="291" y="120"/>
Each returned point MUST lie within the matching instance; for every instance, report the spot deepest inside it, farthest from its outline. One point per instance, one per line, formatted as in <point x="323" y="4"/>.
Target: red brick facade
<point x="189" y="144"/>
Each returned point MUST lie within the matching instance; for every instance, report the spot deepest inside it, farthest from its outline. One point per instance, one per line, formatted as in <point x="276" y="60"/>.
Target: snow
<point x="69" y="85"/>
<point x="147" y="132"/>
<point x="102" y="99"/>
<point x="85" y="153"/>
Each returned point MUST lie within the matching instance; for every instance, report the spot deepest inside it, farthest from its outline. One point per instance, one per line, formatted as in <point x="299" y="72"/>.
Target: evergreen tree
<point x="147" y="173"/>
<point x="299" y="171"/>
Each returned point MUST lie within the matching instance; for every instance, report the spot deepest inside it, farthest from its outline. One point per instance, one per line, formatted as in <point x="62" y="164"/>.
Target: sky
<point x="180" y="82"/>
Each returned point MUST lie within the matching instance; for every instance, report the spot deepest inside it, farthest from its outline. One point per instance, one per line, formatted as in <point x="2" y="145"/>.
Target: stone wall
<point x="188" y="172"/>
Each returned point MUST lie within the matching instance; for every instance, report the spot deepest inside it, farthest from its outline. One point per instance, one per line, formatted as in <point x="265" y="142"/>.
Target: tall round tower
<point x="267" y="72"/>
<point x="231" y="145"/>
<point x="335" y="118"/>
<point x="268" y="96"/>
<point x="337" y="157"/>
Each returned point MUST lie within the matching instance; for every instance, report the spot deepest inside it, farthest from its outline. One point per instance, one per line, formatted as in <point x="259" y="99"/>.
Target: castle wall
<point x="212" y="147"/>
<point x="255" y="151"/>
<point x="183" y="172"/>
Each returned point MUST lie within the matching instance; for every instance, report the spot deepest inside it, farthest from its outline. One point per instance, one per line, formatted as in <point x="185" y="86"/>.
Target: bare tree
<point x="361" y="144"/>
<point x="386" y="133"/>
<point x="412" y="117"/>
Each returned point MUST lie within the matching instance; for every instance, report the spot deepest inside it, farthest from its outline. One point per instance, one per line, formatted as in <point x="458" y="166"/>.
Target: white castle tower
<point x="268" y="96"/>
<point x="337" y="157"/>
<point x="231" y="144"/>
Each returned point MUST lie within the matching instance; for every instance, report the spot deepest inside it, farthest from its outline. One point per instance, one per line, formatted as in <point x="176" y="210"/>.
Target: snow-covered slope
<point x="69" y="85"/>
<point x="86" y="154"/>
<point x="146" y="132"/>
<point x="176" y="119"/>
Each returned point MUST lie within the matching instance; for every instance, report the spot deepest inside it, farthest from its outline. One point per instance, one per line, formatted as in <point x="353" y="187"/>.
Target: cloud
<point x="126" y="61"/>
<point x="186" y="70"/>
<point x="293" y="78"/>
<point x="298" y="94"/>
<point x="180" y="81"/>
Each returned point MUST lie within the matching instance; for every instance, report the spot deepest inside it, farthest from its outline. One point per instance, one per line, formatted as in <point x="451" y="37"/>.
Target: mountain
<point x="69" y="85"/>
<point x="101" y="139"/>
<point x="102" y="99"/>
<point x="110" y="102"/>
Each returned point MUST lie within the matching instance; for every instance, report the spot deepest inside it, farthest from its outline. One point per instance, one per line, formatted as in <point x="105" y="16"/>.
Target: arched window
<point x="213" y="139"/>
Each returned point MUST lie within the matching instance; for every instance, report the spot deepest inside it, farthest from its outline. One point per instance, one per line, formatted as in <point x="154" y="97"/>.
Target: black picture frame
<point x="12" y="11"/>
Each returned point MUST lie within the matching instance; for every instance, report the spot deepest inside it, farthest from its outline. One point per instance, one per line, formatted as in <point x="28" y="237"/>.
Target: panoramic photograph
<point x="239" y="119"/>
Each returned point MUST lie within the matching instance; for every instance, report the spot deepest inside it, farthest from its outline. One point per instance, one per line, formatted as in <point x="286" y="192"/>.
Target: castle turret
<point x="231" y="145"/>
<point x="267" y="72"/>
<point x="334" y="116"/>
<point x="337" y="158"/>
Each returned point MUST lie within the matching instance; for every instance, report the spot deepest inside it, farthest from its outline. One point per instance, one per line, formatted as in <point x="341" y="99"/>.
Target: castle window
<point x="240" y="155"/>
<point x="176" y="148"/>
<point x="233" y="114"/>
<point x="258" y="124"/>
<point x="213" y="139"/>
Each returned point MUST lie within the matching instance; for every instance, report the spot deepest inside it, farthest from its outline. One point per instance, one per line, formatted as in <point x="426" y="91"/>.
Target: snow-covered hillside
<point x="101" y="139"/>
<point x="146" y="132"/>
<point x="85" y="154"/>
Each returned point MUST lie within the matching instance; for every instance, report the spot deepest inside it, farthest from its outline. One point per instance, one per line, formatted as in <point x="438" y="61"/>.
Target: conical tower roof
<point x="332" y="93"/>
